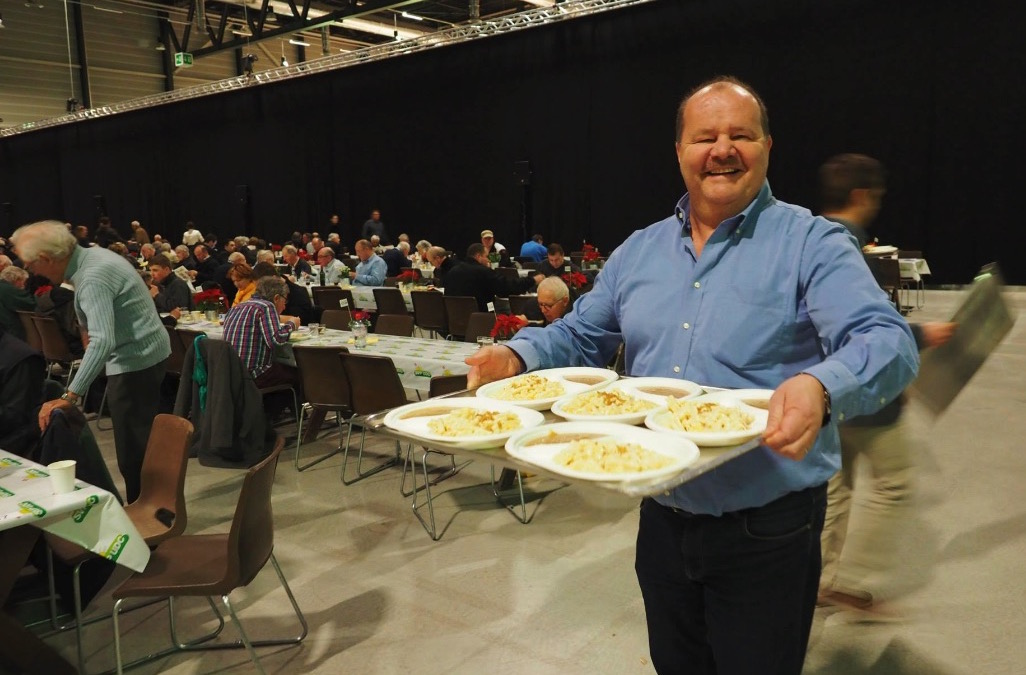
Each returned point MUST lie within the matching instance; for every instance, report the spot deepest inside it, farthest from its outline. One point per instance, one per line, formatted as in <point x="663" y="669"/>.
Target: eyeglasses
<point x="550" y="305"/>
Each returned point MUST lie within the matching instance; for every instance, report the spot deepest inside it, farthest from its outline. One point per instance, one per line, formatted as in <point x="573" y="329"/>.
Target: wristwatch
<point x="70" y="396"/>
<point x="826" y="407"/>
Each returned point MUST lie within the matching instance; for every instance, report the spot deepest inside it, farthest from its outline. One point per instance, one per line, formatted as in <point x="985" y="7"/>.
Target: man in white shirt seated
<point x="330" y="266"/>
<point x="371" y="270"/>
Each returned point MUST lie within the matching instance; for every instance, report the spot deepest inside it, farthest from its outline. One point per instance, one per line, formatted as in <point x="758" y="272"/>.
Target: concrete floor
<point x="559" y="595"/>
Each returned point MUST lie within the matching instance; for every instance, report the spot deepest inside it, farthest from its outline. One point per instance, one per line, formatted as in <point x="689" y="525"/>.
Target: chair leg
<point x="242" y="633"/>
<point x="99" y="412"/>
<point x="522" y="516"/>
<point x="360" y="474"/>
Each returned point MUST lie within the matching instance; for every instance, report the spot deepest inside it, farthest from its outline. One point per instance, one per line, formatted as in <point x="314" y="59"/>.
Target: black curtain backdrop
<point x="929" y="88"/>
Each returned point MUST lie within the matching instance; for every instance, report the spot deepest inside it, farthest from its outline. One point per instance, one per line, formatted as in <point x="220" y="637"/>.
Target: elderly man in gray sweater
<point x="125" y="336"/>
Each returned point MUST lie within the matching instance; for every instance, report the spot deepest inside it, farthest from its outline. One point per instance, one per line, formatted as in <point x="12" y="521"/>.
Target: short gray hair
<point x="265" y="255"/>
<point x="404" y="246"/>
<point x="47" y="236"/>
<point x="268" y="287"/>
<point x="13" y="275"/>
<point x="423" y="245"/>
<point x="556" y="286"/>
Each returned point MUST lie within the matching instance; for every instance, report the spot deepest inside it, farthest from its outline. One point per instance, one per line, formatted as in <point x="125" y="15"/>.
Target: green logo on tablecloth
<point x="421" y="372"/>
<point x="36" y="473"/>
<point x="9" y="461"/>
<point x="116" y="547"/>
<point x="4" y="492"/>
<point x="32" y="508"/>
<point x="400" y="370"/>
<point x="81" y="513"/>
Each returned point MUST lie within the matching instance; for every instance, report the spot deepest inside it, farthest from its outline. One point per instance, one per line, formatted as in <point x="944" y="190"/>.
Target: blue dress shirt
<point x="371" y="272"/>
<point x="776" y="292"/>
<point x="533" y="250"/>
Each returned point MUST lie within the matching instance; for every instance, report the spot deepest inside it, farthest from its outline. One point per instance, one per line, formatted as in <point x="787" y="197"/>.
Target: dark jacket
<point x="206" y="271"/>
<point x="22" y="370"/>
<point x="439" y="274"/>
<point x="231" y="431"/>
<point x="483" y="283"/>
<point x="395" y="262"/>
<point x="173" y="293"/>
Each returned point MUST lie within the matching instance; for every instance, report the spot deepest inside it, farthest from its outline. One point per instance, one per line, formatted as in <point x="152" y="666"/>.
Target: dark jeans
<point x="133" y="399"/>
<point x="733" y="594"/>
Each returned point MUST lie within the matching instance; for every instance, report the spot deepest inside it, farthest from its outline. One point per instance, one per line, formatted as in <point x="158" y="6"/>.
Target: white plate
<point x="658" y="421"/>
<point x="683" y="451"/>
<point x="656" y="389"/>
<point x="880" y="250"/>
<point x="756" y="398"/>
<point x="400" y="420"/>
<point x="601" y="377"/>
<point x="624" y="418"/>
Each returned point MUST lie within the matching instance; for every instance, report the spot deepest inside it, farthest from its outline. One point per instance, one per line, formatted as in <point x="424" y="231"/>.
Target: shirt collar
<point x="734" y="224"/>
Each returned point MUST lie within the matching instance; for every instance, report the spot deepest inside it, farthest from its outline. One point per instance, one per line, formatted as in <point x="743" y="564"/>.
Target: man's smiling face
<point x="723" y="152"/>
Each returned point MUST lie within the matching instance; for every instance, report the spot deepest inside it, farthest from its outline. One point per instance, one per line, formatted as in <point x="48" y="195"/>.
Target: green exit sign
<point x="183" y="59"/>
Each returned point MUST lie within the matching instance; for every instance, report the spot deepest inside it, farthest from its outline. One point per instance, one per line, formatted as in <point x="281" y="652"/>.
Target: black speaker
<point x="101" y="205"/>
<point x="522" y="172"/>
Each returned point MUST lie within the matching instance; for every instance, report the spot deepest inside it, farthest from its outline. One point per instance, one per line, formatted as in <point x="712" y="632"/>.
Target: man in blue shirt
<point x="371" y="269"/>
<point x="534" y="249"/>
<point x="736" y="290"/>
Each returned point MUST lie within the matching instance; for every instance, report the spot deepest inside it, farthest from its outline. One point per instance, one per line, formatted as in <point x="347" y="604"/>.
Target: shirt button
<point x="883" y="400"/>
<point x="676" y="369"/>
<point x="840" y="418"/>
<point x="686" y="325"/>
<point x="698" y="284"/>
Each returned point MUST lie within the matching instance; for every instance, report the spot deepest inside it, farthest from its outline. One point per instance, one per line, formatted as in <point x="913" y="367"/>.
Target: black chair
<point x="337" y="319"/>
<point x="390" y="301"/>
<point x="458" y="309"/>
<point x="887" y="273"/>
<point x="374" y="385"/>
<point x="400" y="325"/>
<point x="501" y="305"/>
<point x="480" y="324"/>
<point x="31" y="332"/>
<point x="55" y="346"/>
<point x="523" y="304"/>
<point x="326" y="390"/>
<point x="429" y="312"/>
<point x="327" y="297"/>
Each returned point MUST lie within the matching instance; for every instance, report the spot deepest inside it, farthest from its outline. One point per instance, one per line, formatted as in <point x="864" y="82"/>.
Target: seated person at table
<point x="851" y="189"/>
<point x="491" y="246"/>
<point x="331" y="268"/>
<point x="22" y="370"/>
<point x="396" y="259"/>
<point x="254" y="328"/>
<point x="371" y="269"/>
<point x="441" y="262"/>
<point x="241" y="275"/>
<point x="553" y="299"/>
<point x="206" y="266"/>
<point x="167" y="290"/>
<point x="534" y="249"/>
<point x="298" y="303"/>
<point x="556" y="263"/>
<point x="475" y="277"/>
<point x="297" y="266"/>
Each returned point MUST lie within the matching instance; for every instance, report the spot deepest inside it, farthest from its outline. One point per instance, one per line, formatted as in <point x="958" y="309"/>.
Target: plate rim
<point x="465" y="402"/>
<point x="712" y="438"/>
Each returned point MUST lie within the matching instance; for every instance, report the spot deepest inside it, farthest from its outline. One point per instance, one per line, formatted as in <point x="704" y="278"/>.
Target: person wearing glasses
<point x="738" y="290"/>
<point x="255" y="327"/>
<point x="125" y="335"/>
<point x="331" y="268"/>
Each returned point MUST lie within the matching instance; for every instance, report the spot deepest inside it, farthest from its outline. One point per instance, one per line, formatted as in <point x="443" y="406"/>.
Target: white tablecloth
<point x="913" y="268"/>
<point x="87" y="516"/>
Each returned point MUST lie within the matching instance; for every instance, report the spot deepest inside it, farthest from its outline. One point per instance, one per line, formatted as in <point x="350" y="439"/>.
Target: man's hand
<point x="936" y="333"/>
<point x="294" y="320"/>
<point x="538" y="278"/>
<point x="352" y="274"/>
<point x="795" y="416"/>
<point x="490" y="364"/>
<point x="49" y="407"/>
<point x="154" y="291"/>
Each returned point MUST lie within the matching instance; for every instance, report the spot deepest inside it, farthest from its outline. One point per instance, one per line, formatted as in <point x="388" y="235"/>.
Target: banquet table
<point x="416" y="360"/>
<point x="88" y="516"/>
<point x="913" y="268"/>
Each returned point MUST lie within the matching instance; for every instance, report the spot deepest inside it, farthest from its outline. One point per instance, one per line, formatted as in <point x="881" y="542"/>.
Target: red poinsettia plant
<point x="360" y="316"/>
<point x="408" y="276"/>
<point x="302" y="254"/>
<point x="43" y="290"/>
<point x="275" y="247"/>
<point x="575" y="280"/>
<point x="209" y="300"/>
<point x="590" y="253"/>
<point x="506" y="326"/>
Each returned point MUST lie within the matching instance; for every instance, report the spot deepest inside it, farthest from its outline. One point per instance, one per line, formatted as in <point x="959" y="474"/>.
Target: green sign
<point x="183" y="59"/>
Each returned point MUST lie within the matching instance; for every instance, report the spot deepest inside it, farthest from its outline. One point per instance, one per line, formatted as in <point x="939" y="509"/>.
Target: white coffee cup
<point x="62" y="476"/>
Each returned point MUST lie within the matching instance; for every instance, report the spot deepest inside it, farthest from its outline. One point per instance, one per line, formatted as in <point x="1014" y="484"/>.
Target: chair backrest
<point x="501" y="305"/>
<point x="251" y="539"/>
<point x="174" y="363"/>
<point x="374" y="384"/>
<point x="479" y="324"/>
<point x="509" y="273"/>
<point x="327" y="297"/>
<point x="394" y="324"/>
<point x="390" y="301"/>
<point x="903" y="253"/>
<point x="55" y="346"/>
<point x="458" y="309"/>
<point x="347" y="295"/>
<point x="522" y="304"/>
<point x="429" y="310"/>
<point x="446" y="384"/>
<point x="323" y="377"/>
<point x="336" y="319"/>
<point x="887" y="272"/>
<point x="391" y="282"/>
<point x="31" y="332"/>
<point x="162" y="484"/>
